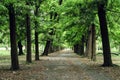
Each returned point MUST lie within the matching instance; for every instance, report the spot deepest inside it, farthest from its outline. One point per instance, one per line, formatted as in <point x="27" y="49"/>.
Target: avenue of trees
<point x="57" y="24"/>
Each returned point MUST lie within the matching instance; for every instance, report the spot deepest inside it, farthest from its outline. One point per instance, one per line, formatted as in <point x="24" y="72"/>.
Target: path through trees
<point x="62" y="65"/>
<point x="66" y="65"/>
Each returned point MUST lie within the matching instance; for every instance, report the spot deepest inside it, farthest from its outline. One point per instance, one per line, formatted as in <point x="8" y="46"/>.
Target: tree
<point x="20" y="47"/>
<point x="47" y="47"/>
<point x="14" y="54"/>
<point x="51" y="31"/>
<point x="104" y="33"/>
<point x="91" y="43"/>
<point x="36" y="33"/>
<point x="28" y="34"/>
<point x="37" y="5"/>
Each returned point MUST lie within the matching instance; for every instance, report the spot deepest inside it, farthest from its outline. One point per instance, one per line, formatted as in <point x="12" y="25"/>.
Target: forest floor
<point x="62" y="65"/>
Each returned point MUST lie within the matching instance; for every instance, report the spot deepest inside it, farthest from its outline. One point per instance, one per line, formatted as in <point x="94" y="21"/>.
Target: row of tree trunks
<point x="91" y="44"/>
<point x="14" y="53"/>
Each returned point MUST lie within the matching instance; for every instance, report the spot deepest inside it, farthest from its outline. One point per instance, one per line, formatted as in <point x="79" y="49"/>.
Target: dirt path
<point x="63" y="65"/>
<point x="66" y="65"/>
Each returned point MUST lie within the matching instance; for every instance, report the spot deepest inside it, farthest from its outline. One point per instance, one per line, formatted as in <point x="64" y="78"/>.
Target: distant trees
<point x="20" y="47"/>
<point x="53" y="18"/>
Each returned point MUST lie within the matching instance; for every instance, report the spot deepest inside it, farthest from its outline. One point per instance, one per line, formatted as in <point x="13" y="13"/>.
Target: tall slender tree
<point x="37" y="5"/>
<point x="28" y="34"/>
<point x="14" y="54"/>
<point x="104" y="33"/>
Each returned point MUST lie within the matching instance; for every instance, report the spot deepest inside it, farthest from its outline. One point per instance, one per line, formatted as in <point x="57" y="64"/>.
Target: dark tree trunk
<point x="20" y="48"/>
<point x="14" y="55"/>
<point x="82" y="46"/>
<point x="36" y="36"/>
<point x="47" y="48"/>
<point x="60" y="2"/>
<point x="93" y="57"/>
<point x="104" y="35"/>
<point x="78" y="48"/>
<point x="36" y="46"/>
<point x="28" y="33"/>
<point x="75" y="48"/>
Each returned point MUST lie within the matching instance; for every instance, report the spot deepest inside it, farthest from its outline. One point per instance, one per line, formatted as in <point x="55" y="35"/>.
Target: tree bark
<point x="28" y="33"/>
<point x="82" y="46"/>
<point x="20" y="48"/>
<point x="36" y="46"/>
<point x="104" y="35"/>
<point x="47" y="48"/>
<point x="14" y="55"/>
<point x="36" y="36"/>
<point x="91" y="44"/>
<point x="60" y="2"/>
<point x="76" y="48"/>
<point x="93" y="57"/>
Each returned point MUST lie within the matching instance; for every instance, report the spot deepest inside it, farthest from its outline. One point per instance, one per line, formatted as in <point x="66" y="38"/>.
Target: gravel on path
<point x="66" y="65"/>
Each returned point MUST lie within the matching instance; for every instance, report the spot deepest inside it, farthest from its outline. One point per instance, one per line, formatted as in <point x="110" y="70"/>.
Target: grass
<point x="114" y="54"/>
<point x="4" y="52"/>
<point x="5" y="58"/>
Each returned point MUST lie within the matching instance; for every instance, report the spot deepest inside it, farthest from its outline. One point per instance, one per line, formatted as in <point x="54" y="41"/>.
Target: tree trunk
<point x="36" y="36"/>
<point x="82" y="46"/>
<point x="47" y="47"/>
<point x="76" y="48"/>
<point x="14" y="55"/>
<point x="36" y="46"/>
<point x="20" y="48"/>
<point x="93" y="57"/>
<point x="91" y="44"/>
<point x="28" y="33"/>
<point x="60" y="2"/>
<point x="104" y="35"/>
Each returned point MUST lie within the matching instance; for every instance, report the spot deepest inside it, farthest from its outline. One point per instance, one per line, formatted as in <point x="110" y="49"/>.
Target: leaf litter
<point x="59" y="66"/>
